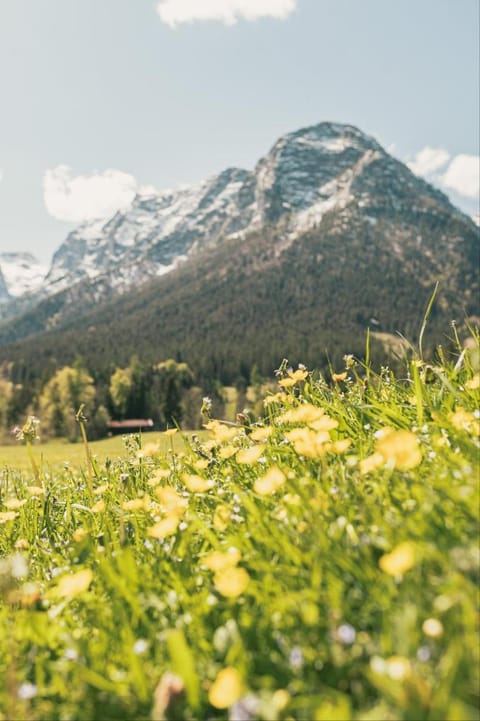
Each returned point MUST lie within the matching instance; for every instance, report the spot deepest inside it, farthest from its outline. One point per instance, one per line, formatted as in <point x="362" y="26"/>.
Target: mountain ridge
<point x="327" y="233"/>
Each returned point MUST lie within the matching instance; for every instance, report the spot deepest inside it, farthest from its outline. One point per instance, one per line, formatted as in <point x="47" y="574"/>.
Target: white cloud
<point x="428" y="160"/>
<point x="463" y="176"/>
<point x="460" y="173"/>
<point x="174" y="12"/>
<point x="86" y="197"/>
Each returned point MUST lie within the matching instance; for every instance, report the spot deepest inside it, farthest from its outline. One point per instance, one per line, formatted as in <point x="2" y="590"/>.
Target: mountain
<point x="329" y="234"/>
<point x="20" y="274"/>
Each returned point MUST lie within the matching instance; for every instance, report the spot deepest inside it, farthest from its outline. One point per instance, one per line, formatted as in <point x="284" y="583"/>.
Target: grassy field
<point x="320" y="564"/>
<point x="59" y="453"/>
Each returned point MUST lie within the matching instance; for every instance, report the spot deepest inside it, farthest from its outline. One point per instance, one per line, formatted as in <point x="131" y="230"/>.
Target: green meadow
<point x="320" y="563"/>
<point x="58" y="453"/>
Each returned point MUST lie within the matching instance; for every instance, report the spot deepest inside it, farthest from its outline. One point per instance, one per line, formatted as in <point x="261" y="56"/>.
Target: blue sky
<point x="100" y="97"/>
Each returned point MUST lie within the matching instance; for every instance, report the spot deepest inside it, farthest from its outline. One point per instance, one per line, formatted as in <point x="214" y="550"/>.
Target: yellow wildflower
<point x="35" y="490"/>
<point x="474" y="383"/>
<point x="293" y="378"/>
<point x="464" y="420"/>
<point x="231" y="582"/>
<point x="100" y="489"/>
<point x="339" y="377"/>
<point x="170" y="432"/>
<point x="270" y="482"/>
<point x="75" y="584"/>
<point x="222" y="432"/>
<point x="340" y="446"/>
<point x="218" y="561"/>
<point x="22" y="544"/>
<point x="275" y="398"/>
<point x="221" y="517"/>
<point x="261" y="434"/>
<point x="79" y="535"/>
<point x="398" y="561"/>
<point x="159" y="476"/>
<point x="136" y="504"/>
<point x="166" y="527"/>
<point x="324" y="424"/>
<point x="201" y="464"/>
<point x="197" y="484"/>
<point x="306" y="413"/>
<point x="308" y="443"/>
<point x="6" y="516"/>
<point x="249" y="456"/>
<point x="98" y="507"/>
<point x="227" y="452"/>
<point x="369" y="463"/>
<point x="226" y="689"/>
<point x="399" y="447"/>
<point x="15" y="503"/>
<point x="170" y="501"/>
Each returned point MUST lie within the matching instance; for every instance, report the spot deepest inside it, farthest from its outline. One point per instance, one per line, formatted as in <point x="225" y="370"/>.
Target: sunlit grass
<point x="319" y="564"/>
<point x="57" y="453"/>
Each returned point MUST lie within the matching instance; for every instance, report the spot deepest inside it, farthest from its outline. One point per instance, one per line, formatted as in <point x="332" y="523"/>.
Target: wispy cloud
<point x="459" y="174"/>
<point x="86" y="197"/>
<point x="463" y="176"/>
<point x="175" y="12"/>
<point x="428" y="160"/>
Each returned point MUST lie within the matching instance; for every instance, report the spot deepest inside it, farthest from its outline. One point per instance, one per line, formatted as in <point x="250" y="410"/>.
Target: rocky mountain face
<point x="325" y="176"/>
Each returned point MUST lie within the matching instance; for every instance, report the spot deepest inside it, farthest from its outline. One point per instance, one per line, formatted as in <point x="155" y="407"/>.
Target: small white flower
<point x="346" y="634"/>
<point x="27" y="691"/>
<point x="140" y="647"/>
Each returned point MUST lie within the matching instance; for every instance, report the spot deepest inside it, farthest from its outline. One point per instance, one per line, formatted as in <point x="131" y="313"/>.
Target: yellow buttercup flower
<point x="261" y="434"/>
<point x="226" y="689"/>
<point x="231" y="582"/>
<point x="293" y="378"/>
<point x="249" y="456"/>
<point x="398" y="561"/>
<point x="339" y="377"/>
<point x="270" y="482"/>
<point x="197" y="484"/>
<point x="136" y="504"/>
<point x="35" y="490"/>
<point x="464" y="421"/>
<point x="340" y="446"/>
<point x="218" y="561"/>
<point x="308" y="443"/>
<point x="15" y="503"/>
<point x="98" y="507"/>
<point x="400" y="448"/>
<point x="227" y="452"/>
<point x="159" y="475"/>
<point x="166" y="527"/>
<point x="222" y="432"/>
<point x="370" y="463"/>
<point x="474" y="383"/>
<point x="221" y="517"/>
<point x="306" y="413"/>
<point x="170" y="501"/>
<point x="100" y="489"/>
<point x="75" y="584"/>
<point x="6" y="516"/>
